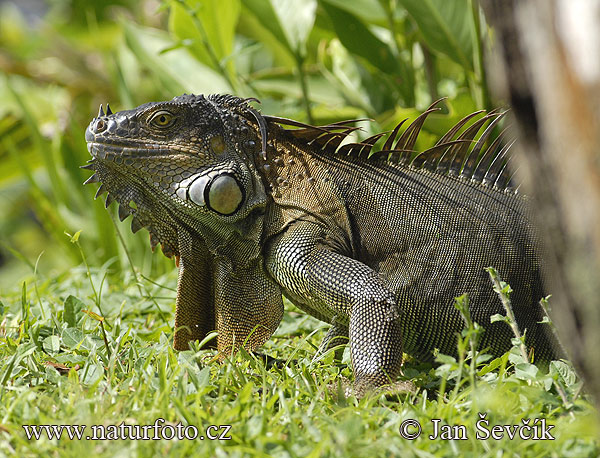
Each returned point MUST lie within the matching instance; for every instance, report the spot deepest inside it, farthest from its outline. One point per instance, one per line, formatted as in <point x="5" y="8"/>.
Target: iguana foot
<point x="270" y="361"/>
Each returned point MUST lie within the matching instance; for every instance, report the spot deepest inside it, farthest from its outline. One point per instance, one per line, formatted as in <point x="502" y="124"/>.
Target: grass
<point x="87" y="349"/>
<point x="91" y="345"/>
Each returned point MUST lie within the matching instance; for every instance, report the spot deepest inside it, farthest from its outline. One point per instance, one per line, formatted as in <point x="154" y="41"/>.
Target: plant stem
<point x="509" y="311"/>
<point x="480" y="70"/>
<point x="304" y="86"/>
<point x="430" y="71"/>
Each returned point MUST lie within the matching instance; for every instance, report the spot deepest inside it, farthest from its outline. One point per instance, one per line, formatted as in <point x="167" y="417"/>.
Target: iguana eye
<point x="162" y="119"/>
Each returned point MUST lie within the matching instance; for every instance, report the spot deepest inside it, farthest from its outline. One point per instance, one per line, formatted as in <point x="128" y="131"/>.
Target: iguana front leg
<point x="339" y="286"/>
<point x="195" y="312"/>
<point x="241" y="303"/>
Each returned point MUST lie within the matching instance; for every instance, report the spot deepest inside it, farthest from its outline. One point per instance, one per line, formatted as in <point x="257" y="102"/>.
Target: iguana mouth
<point x="125" y="153"/>
<point x="116" y="150"/>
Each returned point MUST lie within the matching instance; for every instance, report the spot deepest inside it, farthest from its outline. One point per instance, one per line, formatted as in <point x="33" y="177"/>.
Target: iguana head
<point x="189" y="160"/>
<point x="186" y="170"/>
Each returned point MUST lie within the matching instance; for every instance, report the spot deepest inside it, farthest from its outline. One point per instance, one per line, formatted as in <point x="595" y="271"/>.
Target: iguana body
<point x="377" y="246"/>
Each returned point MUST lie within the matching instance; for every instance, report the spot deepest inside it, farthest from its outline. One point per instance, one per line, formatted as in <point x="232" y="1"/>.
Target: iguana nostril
<point x="111" y="126"/>
<point x="100" y="126"/>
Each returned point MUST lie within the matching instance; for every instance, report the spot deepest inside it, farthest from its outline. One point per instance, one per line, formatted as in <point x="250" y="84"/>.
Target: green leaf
<point x="52" y="375"/>
<point x="367" y="10"/>
<point x="93" y="315"/>
<point x="207" y="28"/>
<point x="344" y="72"/>
<point x="493" y="365"/>
<point x="298" y="19"/>
<point x="72" y="337"/>
<point x="203" y="377"/>
<point x="264" y="12"/>
<point x="445" y="359"/>
<point x="564" y="372"/>
<point x="51" y="344"/>
<point x="547" y="381"/>
<point x="515" y="357"/>
<point x="176" y="68"/>
<point x="359" y="40"/>
<point x="499" y="317"/>
<point x="91" y="373"/>
<point x="72" y="313"/>
<point x="75" y="237"/>
<point x="526" y="371"/>
<point x="290" y="22"/>
<point x="446" y="27"/>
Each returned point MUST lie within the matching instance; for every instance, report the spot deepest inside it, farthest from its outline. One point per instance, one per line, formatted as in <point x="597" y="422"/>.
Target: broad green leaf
<point x="263" y="50"/>
<point x="91" y="373"/>
<point x="564" y="372"/>
<point x="515" y="357"/>
<point x="264" y="12"/>
<point x="359" y="40"/>
<point x="72" y="313"/>
<point x="344" y="73"/>
<point x="447" y="27"/>
<point x="181" y="25"/>
<point x="203" y="377"/>
<point x="321" y="91"/>
<point x="176" y="68"/>
<point x="446" y="359"/>
<point x="526" y="371"/>
<point x="207" y="28"/>
<point x="219" y="18"/>
<point x="51" y="344"/>
<point x="52" y="375"/>
<point x="72" y="337"/>
<point x="290" y="22"/>
<point x="368" y="10"/>
<point x="297" y="19"/>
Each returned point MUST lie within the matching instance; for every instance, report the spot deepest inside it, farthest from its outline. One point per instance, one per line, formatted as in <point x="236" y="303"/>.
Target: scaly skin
<point x="377" y="247"/>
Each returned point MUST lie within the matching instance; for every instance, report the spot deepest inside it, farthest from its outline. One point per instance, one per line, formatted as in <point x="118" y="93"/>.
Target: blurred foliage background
<point x="316" y="61"/>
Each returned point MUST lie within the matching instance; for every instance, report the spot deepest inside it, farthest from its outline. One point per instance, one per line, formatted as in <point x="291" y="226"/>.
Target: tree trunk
<point x="547" y="67"/>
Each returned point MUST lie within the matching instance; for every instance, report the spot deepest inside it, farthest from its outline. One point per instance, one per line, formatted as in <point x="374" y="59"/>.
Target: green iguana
<point x="377" y="244"/>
